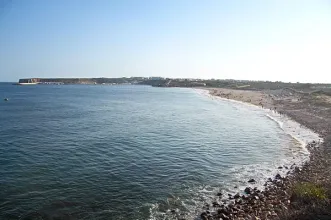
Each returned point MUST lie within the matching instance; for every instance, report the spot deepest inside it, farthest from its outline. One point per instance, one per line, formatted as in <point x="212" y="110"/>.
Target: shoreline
<point x="274" y="201"/>
<point x="280" y="119"/>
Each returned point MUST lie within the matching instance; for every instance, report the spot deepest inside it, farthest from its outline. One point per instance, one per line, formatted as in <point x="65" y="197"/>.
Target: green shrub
<point x="309" y="191"/>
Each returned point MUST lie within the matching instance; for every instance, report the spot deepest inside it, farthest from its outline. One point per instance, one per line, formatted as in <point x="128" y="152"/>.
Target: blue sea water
<point x="127" y="152"/>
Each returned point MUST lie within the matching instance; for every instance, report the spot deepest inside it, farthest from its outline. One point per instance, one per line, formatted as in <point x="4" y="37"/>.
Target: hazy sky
<point x="288" y="40"/>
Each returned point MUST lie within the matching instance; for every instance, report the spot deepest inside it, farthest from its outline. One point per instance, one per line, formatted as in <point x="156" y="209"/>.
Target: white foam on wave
<point x="289" y="126"/>
<point x="299" y="133"/>
<point x="294" y="129"/>
<point x="240" y="174"/>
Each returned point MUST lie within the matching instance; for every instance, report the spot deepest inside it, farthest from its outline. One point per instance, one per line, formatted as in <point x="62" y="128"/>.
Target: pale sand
<point x="253" y="97"/>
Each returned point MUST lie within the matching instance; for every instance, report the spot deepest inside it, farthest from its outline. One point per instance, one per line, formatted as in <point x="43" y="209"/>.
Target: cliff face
<point x="81" y="80"/>
<point x="31" y="80"/>
<point x="58" y="80"/>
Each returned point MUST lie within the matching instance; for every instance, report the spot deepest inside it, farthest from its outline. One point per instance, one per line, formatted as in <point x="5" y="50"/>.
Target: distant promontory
<point x="185" y="82"/>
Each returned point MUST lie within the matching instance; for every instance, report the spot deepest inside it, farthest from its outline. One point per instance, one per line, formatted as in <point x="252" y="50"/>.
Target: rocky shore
<point x="304" y="193"/>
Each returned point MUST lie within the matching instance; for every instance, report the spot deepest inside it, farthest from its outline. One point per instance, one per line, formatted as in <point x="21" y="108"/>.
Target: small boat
<point x="6" y="99"/>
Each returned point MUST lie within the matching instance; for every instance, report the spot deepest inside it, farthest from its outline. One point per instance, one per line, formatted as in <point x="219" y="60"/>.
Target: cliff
<point x="83" y="80"/>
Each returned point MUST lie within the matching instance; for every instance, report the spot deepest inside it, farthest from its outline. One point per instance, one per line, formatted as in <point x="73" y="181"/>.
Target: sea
<point x="132" y="152"/>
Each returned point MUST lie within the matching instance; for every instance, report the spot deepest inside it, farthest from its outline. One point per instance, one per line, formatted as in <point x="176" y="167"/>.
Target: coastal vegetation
<point x="308" y="192"/>
<point x="309" y="201"/>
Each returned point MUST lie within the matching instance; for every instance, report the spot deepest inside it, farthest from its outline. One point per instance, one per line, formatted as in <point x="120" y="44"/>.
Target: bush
<point x="308" y="202"/>
<point x="309" y="191"/>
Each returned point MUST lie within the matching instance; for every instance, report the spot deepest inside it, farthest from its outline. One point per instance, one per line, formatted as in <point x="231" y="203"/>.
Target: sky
<point x="276" y="40"/>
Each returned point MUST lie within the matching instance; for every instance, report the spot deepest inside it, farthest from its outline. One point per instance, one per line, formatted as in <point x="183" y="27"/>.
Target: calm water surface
<point x="126" y="152"/>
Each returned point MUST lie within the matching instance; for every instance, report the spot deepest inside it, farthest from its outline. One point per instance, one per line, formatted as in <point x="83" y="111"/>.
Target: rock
<point x="234" y="209"/>
<point x="223" y="211"/>
<point x="238" y="201"/>
<point x="224" y="217"/>
<point x="204" y="216"/>
<point x="219" y="194"/>
<point x="251" y="181"/>
<point x="237" y="196"/>
<point x="278" y="176"/>
<point x="173" y="211"/>
<point x="280" y="167"/>
<point x="248" y="190"/>
<point x="269" y="180"/>
<point x="215" y="204"/>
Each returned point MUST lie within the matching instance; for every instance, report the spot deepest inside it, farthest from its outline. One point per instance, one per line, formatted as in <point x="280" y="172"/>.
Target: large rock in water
<point x="251" y="181"/>
<point x="204" y="216"/>
<point x="248" y="190"/>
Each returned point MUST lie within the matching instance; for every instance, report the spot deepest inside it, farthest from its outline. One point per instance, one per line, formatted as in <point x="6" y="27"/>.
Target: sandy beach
<point x="253" y="97"/>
